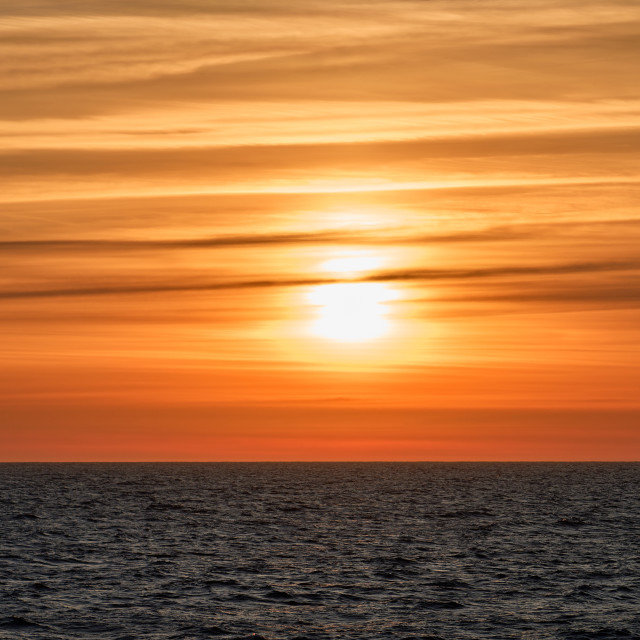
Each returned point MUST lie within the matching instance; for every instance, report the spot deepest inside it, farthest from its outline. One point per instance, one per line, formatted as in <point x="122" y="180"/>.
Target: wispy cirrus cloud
<point x="407" y="276"/>
<point x="436" y="162"/>
<point x="84" y="162"/>
<point x="387" y="236"/>
<point x="138" y="56"/>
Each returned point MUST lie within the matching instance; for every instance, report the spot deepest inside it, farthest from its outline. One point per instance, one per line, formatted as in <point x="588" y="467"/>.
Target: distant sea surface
<point x="320" y="551"/>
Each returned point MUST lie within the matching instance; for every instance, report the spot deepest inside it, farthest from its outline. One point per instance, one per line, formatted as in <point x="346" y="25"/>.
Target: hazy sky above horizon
<point x="235" y="230"/>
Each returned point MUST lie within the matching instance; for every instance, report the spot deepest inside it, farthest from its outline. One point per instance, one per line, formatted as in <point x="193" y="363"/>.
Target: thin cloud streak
<point x="388" y="236"/>
<point x="569" y="294"/>
<point x="192" y="243"/>
<point x="243" y="159"/>
<point x="415" y="275"/>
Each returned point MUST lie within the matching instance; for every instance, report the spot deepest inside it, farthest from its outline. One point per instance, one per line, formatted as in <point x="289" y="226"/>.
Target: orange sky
<point x="359" y="231"/>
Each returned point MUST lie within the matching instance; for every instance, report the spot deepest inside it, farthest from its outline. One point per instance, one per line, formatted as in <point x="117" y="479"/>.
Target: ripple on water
<point x="320" y="551"/>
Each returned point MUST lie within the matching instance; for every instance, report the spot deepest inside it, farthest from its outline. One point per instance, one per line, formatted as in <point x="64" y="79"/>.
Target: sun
<point x="351" y="311"/>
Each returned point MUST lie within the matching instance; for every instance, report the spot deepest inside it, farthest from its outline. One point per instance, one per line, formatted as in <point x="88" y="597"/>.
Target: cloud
<point x="495" y="272"/>
<point x="409" y="275"/>
<point x="170" y="8"/>
<point x="592" y="293"/>
<point x="389" y="236"/>
<point x="192" y="243"/>
<point x="249" y="161"/>
<point x="103" y="57"/>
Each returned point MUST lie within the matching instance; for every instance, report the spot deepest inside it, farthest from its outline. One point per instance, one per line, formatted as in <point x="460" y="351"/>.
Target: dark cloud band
<point x="414" y="275"/>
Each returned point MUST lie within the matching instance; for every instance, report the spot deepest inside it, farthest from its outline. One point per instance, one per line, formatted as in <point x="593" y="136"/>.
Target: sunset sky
<point x="337" y="230"/>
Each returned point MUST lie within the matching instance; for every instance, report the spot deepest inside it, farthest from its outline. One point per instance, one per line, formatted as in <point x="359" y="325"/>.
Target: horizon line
<point x="319" y="461"/>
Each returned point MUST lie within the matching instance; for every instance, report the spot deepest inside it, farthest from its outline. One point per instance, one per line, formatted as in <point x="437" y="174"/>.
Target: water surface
<point x="320" y="551"/>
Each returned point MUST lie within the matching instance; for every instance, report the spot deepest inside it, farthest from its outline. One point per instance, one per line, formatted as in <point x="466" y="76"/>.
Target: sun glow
<point x="352" y="311"/>
<point x="352" y="263"/>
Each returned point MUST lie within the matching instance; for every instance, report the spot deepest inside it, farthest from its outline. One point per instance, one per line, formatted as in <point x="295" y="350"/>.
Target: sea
<point x="319" y="551"/>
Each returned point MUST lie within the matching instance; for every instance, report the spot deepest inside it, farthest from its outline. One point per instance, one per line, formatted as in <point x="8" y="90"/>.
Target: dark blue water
<point x="319" y="551"/>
